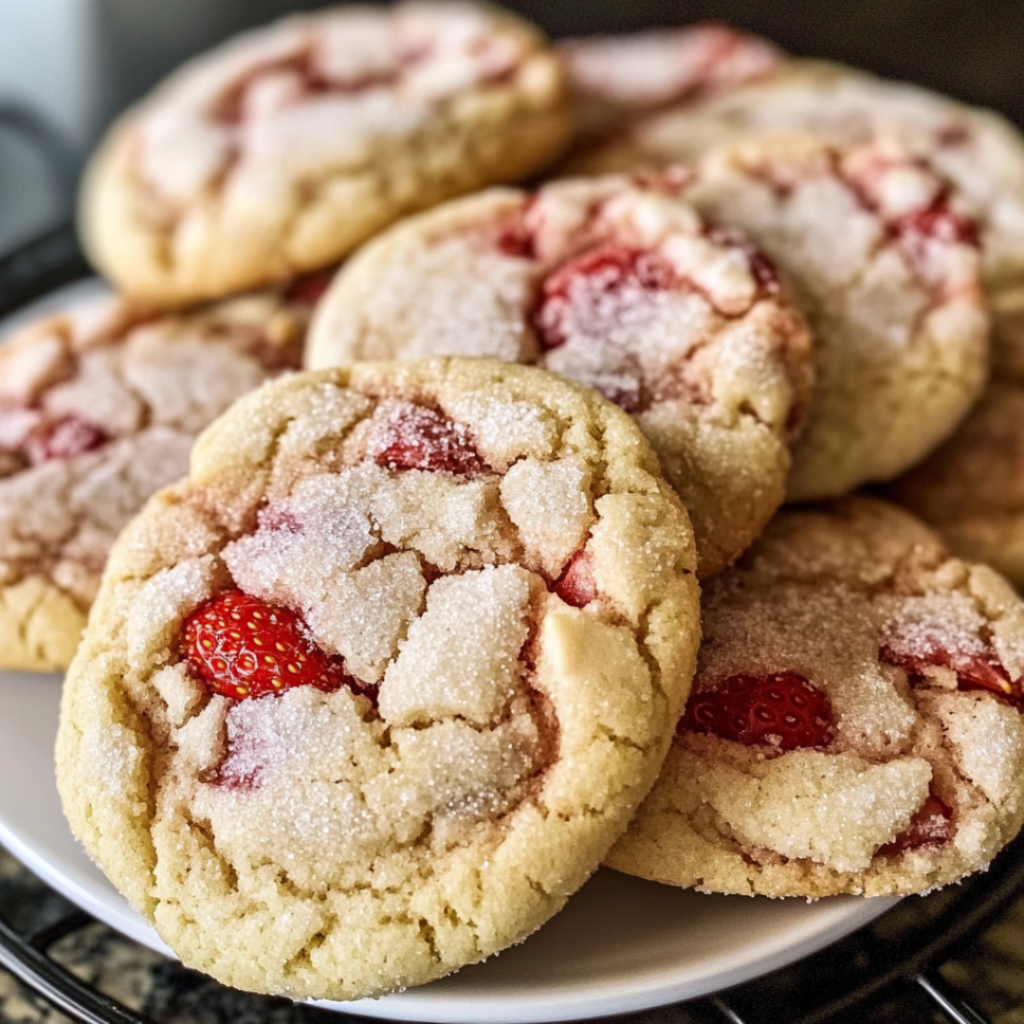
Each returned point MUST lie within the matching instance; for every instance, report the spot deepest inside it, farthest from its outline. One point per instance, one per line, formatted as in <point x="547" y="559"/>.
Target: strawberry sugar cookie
<point x="369" y="695"/>
<point x="277" y="153"/>
<point x="99" y="406"/>
<point x="855" y="724"/>
<point x="971" y="490"/>
<point x="613" y="79"/>
<point x="885" y="266"/>
<point x="618" y="284"/>
<point x="979" y="151"/>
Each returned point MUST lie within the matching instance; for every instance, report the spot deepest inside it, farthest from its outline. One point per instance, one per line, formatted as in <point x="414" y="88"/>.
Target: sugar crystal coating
<point x="977" y="150"/>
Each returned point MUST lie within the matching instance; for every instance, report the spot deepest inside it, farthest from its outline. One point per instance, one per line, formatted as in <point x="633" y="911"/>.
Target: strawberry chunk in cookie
<point x="242" y="647"/>
<point x="783" y="710"/>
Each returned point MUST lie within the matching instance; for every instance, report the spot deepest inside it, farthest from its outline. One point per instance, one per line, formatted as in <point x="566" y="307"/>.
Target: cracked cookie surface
<point x="616" y="283"/>
<point x="979" y="151"/>
<point x="855" y="724"/>
<point x="99" y="406"/>
<point x="489" y="590"/>
<point x="884" y="264"/>
<point x="282" y="150"/>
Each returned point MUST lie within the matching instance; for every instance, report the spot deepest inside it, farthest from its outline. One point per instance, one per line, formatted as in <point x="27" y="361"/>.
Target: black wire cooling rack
<point x="888" y="971"/>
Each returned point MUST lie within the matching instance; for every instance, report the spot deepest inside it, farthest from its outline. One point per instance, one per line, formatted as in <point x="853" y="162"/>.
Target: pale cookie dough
<point x="614" y="79"/>
<point x="855" y="724"/>
<point x="884" y="264"/>
<point x="976" y="149"/>
<point x="282" y="150"/>
<point x="616" y="283"/>
<point x="99" y="406"/>
<point x="486" y="561"/>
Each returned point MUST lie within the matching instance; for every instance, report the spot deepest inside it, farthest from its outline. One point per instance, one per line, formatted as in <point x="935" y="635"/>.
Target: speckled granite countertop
<point x="991" y="969"/>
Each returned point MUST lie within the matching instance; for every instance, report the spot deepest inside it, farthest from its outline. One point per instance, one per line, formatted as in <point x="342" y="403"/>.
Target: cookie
<point x="282" y="150"/>
<point x="99" y="406"/>
<point x="618" y="284"/>
<point x="971" y="490"/>
<point x="976" y="149"/>
<point x="615" y="79"/>
<point x="370" y="694"/>
<point x="884" y="263"/>
<point x="855" y="722"/>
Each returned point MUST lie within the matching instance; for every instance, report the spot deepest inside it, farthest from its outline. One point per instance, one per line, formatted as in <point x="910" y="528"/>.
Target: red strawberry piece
<point x="932" y="825"/>
<point x="309" y="289"/>
<point x="598" y="284"/>
<point x="421" y="438"/>
<point x="761" y="267"/>
<point x="939" y="223"/>
<point x="243" y="647"/>
<point x="576" y="586"/>
<point x="514" y="238"/>
<point x="973" y="671"/>
<point x="919" y="230"/>
<point x="783" y="710"/>
<point x="63" y="439"/>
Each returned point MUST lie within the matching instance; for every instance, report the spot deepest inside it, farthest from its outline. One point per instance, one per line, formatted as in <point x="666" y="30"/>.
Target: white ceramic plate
<point x="621" y="945"/>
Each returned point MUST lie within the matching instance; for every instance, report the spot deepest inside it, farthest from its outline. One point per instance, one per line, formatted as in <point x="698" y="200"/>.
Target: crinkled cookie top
<point x="282" y="150"/>
<point x="885" y="263"/>
<point x="615" y="78"/>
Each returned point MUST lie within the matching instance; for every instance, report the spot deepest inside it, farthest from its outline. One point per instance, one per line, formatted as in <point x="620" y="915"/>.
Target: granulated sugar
<point x="833" y="808"/>
<point x="462" y="655"/>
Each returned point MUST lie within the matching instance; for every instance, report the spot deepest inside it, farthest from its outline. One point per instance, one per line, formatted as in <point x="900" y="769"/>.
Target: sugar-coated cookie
<point x="977" y="149"/>
<point x="277" y="153"/>
<point x="617" y="283"/>
<point x="884" y="263"/>
<point x="613" y="79"/>
<point x="99" y="406"/>
<point x="971" y="490"/>
<point x="369" y="695"/>
<point x="856" y="719"/>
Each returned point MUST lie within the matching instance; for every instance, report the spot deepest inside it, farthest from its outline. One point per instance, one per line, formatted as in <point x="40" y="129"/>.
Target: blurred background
<point x="68" y="66"/>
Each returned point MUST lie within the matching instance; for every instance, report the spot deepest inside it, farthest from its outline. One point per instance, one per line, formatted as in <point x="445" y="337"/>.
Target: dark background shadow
<point x="973" y="50"/>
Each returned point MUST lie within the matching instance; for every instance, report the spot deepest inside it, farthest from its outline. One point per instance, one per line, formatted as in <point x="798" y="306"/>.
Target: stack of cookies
<point x="380" y="668"/>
